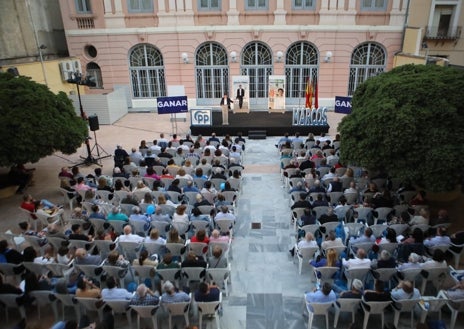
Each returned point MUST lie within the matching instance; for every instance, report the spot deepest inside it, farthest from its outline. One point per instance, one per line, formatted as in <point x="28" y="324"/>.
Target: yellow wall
<point x="52" y="76"/>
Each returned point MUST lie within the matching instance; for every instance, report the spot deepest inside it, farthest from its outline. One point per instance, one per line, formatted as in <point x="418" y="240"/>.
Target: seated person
<point x="405" y="290"/>
<point x="455" y="292"/>
<point x="171" y="295"/>
<point x="168" y="262"/>
<point x="356" y="291"/>
<point x="207" y="293"/>
<point x="330" y="260"/>
<point x="217" y="260"/>
<point x="386" y="260"/>
<point x="112" y="292"/>
<point x="360" y="261"/>
<point x="332" y="241"/>
<point x="439" y="239"/>
<point x="368" y="236"/>
<point x="144" y="296"/>
<point x="379" y="294"/>
<point x="323" y="295"/>
<point x="413" y="262"/>
<point x="86" y="288"/>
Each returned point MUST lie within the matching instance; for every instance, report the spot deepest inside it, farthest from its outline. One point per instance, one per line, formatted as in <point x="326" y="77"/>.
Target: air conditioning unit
<point x="76" y="66"/>
<point x="66" y="69"/>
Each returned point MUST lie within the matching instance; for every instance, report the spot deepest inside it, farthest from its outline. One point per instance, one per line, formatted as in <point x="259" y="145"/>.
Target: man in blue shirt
<point x="323" y="295"/>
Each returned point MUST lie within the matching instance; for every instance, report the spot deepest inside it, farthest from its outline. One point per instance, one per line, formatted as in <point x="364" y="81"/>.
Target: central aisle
<point x="266" y="290"/>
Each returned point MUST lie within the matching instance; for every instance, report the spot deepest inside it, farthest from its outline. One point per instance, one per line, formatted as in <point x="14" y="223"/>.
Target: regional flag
<point x="309" y="94"/>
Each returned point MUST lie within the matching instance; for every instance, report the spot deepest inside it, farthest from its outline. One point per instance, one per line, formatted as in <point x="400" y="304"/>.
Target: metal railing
<point x="434" y="33"/>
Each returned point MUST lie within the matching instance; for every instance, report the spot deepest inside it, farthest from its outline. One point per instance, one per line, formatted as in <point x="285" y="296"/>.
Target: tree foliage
<point x="34" y="122"/>
<point x="409" y="122"/>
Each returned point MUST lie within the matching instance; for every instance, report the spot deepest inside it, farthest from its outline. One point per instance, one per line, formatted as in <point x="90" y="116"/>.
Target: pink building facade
<point x="147" y="46"/>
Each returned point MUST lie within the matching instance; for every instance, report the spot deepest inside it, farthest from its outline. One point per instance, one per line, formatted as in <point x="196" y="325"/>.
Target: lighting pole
<point x="77" y="80"/>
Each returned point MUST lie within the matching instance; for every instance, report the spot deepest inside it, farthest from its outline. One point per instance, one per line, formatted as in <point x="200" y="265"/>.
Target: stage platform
<point x="275" y="124"/>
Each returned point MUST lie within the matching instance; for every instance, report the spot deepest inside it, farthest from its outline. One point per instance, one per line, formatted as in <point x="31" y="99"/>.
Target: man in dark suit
<point x="240" y="95"/>
<point x="225" y="106"/>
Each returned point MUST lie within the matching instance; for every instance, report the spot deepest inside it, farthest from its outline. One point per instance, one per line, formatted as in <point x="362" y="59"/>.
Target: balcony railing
<point x="85" y="23"/>
<point x="433" y="33"/>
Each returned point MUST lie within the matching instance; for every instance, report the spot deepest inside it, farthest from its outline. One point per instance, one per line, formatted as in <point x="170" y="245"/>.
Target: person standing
<point x="225" y="106"/>
<point x="240" y="95"/>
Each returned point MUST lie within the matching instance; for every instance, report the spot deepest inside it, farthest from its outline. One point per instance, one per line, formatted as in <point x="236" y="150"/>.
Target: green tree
<point x="409" y="122"/>
<point x="34" y="122"/>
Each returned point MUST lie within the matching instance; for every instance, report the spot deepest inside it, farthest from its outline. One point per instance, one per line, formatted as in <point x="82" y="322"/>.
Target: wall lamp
<point x="185" y="58"/>
<point x="279" y="56"/>
<point x="233" y="56"/>
<point x="328" y="56"/>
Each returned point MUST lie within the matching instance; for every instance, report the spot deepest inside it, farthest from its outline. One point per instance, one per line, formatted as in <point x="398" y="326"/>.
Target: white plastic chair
<point x="350" y="305"/>
<point x="10" y="302"/>
<point x="225" y="226"/>
<point x="44" y="298"/>
<point x="402" y="306"/>
<point x="146" y="312"/>
<point x="318" y="309"/>
<point x="144" y="272"/>
<point x="356" y="273"/>
<point x="199" y="248"/>
<point x="178" y="309"/>
<point x="455" y="306"/>
<point x="435" y="304"/>
<point x="456" y="255"/>
<point x="91" y="305"/>
<point x="220" y="276"/>
<point x="193" y="274"/>
<point x="434" y="275"/>
<point x="325" y="273"/>
<point x="209" y="308"/>
<point x="68" y="300"/>
<point x="305" y="255"/>
<point x="169" y="274"/>
<point x="374" y="308"/>
<point x="69" y="200"/>
<point x="120" y="307"/>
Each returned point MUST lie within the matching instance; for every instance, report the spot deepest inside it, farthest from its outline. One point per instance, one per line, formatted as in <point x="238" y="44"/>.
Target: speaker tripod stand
<point x="101" y="153"/>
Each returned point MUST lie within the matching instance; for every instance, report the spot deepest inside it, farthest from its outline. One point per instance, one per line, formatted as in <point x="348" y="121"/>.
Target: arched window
<point x="212" y="73"/>
<point x="301" y="63"/>
<point x="367" y="61"/>
<point x="93" y="70"/>
<point x="147" y="72"/>
<point x="256" y="63"/>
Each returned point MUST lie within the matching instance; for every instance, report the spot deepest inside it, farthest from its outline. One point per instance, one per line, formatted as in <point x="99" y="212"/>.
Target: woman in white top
<point x="154" y="237"/>
<point x="308" y="241"/>
<point x="141" y="187"/>
<point x="180" y="215"/>
<point x="182" y="174"/>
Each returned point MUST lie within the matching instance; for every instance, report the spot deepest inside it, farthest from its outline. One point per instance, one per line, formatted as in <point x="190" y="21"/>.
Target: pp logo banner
<point x="201" y="117"/>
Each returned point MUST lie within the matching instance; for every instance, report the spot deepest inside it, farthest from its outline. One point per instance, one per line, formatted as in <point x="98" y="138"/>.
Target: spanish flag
<point x="309" y="94"/>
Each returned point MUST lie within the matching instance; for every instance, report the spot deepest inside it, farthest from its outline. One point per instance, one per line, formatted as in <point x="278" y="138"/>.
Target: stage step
<point x="257" y="134"/>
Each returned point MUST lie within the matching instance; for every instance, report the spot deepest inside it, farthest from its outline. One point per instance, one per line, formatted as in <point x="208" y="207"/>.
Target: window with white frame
<point x="140" y="6"/>
<point x="367" y="60"/>
<point x="147" y="72"/>
<point x="256" y="4"/>
<point x="83" y="6"/>
<point x="256" y="63"/>
<point x="373" y="5"/>
<point x="211" y="73"/>
<point x="301" y="64"/>
<point x="209" y="5"/>
<point x="94" y="71"/>
<point x="304" y="4"/>
<point x="443" y="19"/>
